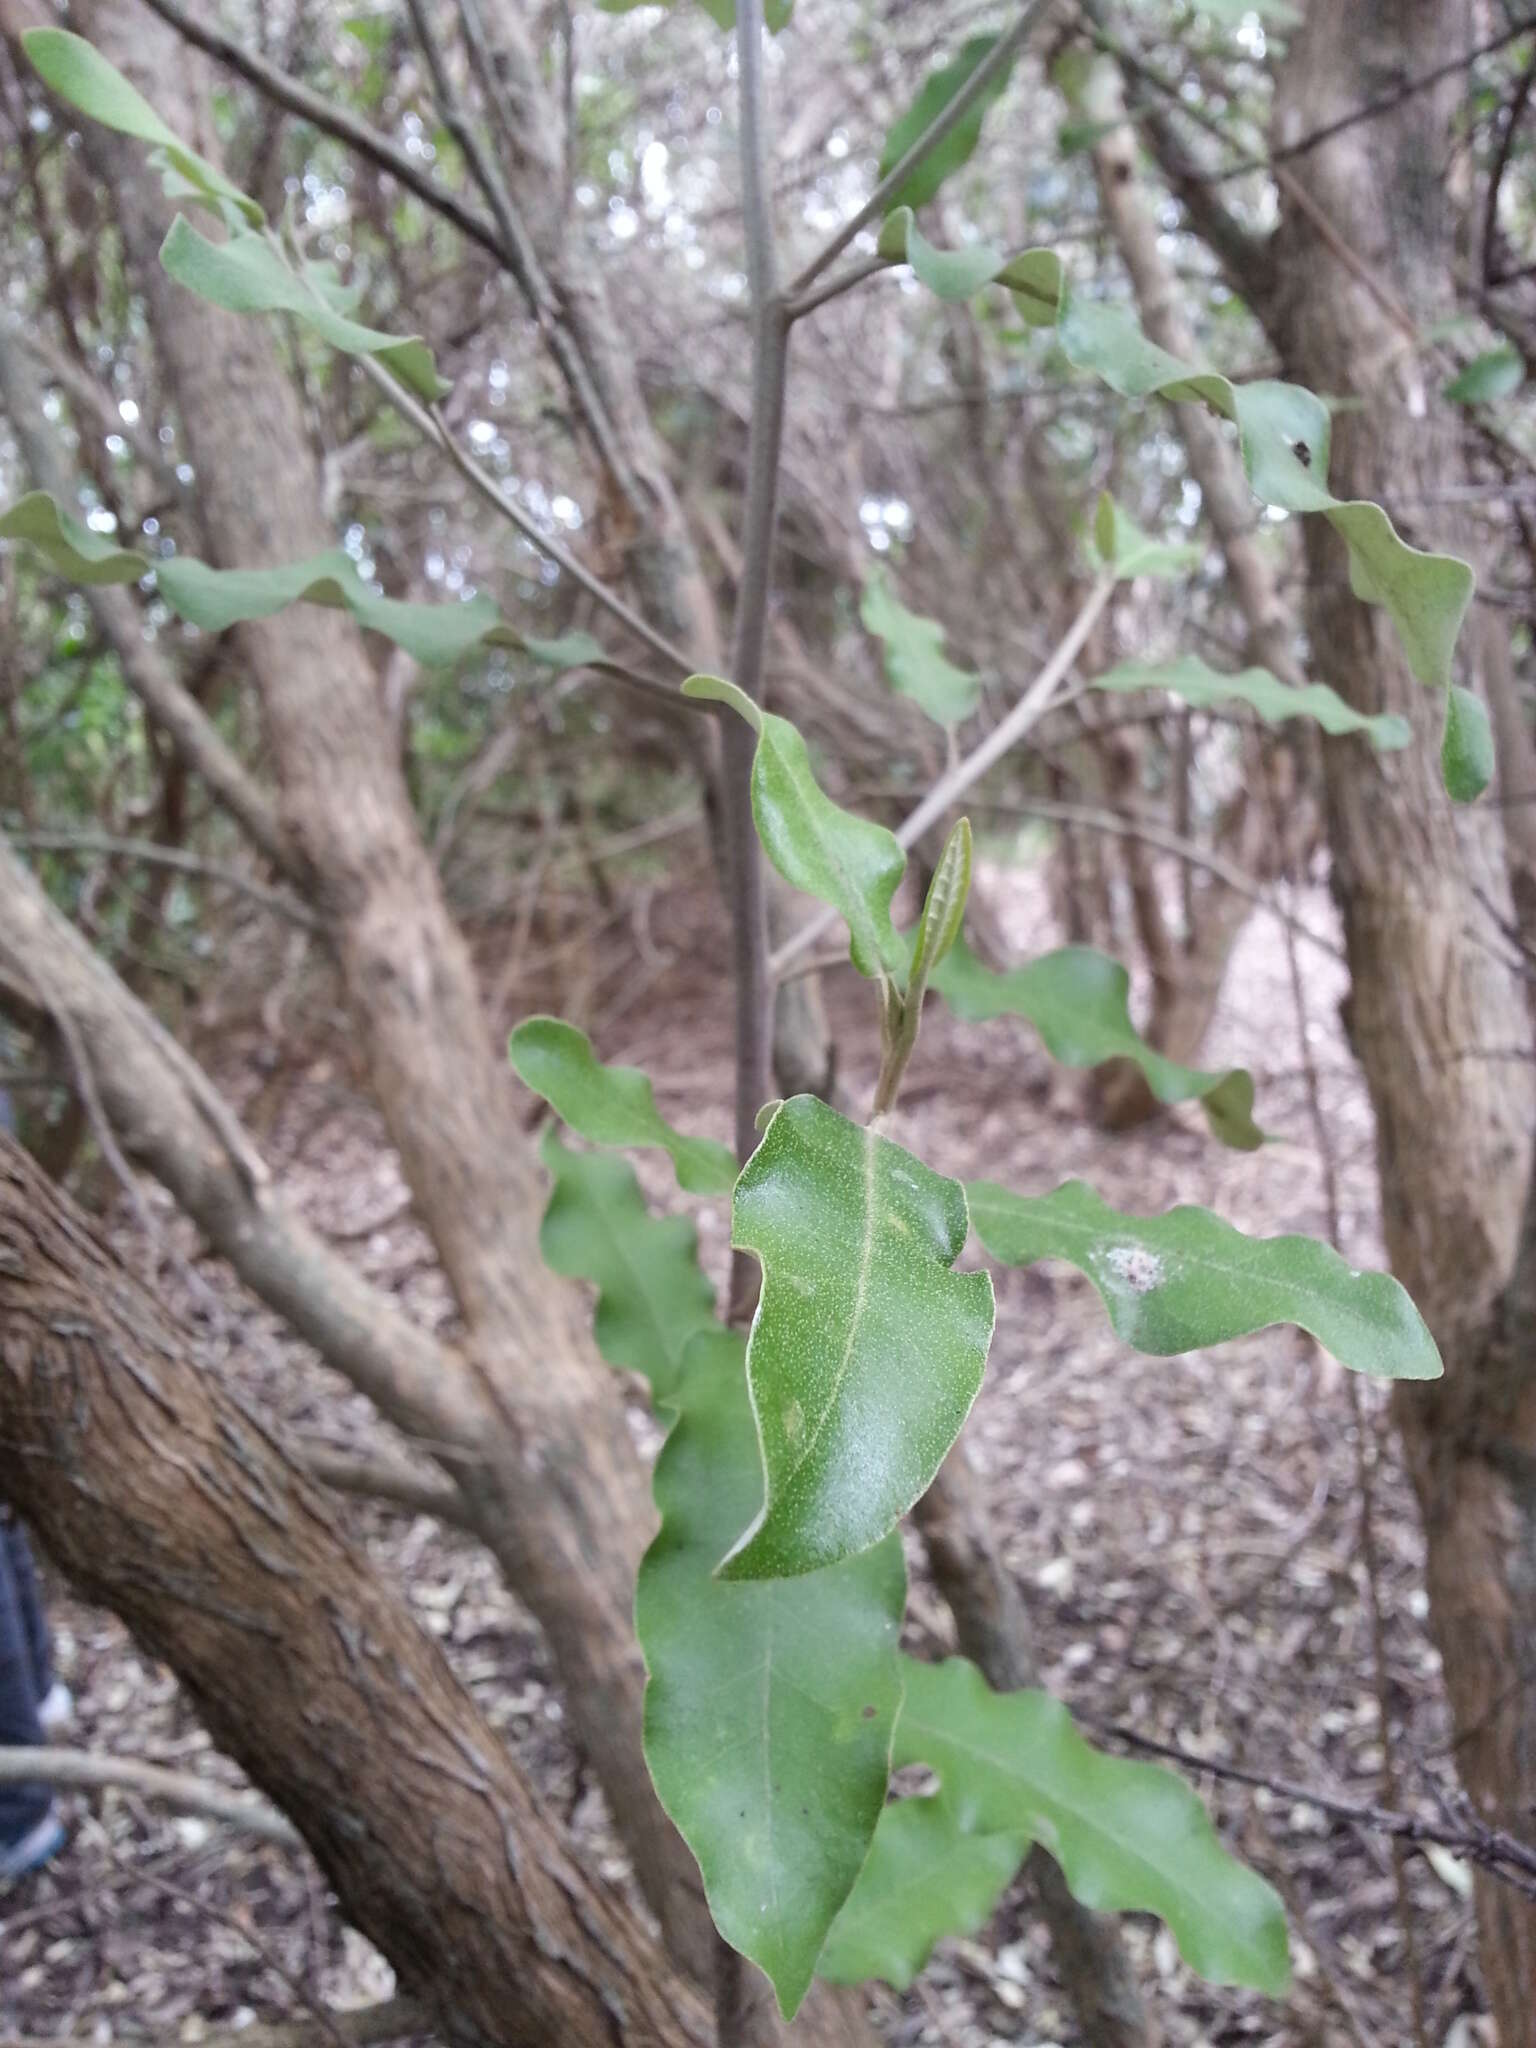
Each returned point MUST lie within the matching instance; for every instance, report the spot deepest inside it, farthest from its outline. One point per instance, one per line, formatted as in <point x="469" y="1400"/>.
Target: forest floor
<point x="1188" y="1533"/>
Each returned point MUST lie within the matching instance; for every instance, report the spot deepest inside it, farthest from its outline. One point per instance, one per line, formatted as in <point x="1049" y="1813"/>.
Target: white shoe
<point x="56" y="1709"/>
<point x="39" y="1845"/>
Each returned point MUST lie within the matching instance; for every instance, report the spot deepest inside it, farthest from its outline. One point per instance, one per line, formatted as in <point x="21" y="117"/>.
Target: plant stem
<point x="431" y="427"/>
<point x="950" y="787"/>
<point x="770" y="351"/>
<point x="997" y="61"/>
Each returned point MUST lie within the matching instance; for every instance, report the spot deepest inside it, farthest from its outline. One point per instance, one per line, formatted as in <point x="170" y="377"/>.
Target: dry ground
<point x="1188" y="1532"/>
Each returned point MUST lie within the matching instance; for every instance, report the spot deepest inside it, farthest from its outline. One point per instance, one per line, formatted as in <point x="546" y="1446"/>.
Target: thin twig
<point x="84" y="1770"/>
<point x="1127" y="826"/>
<point x="1030" y="709"/>
<point x="770" y="365"/>
<point x="364" y="2026"/>
<point x="1492" y="1849"/>
<point x="331" y="117"/>
<point x="1371" y="110"/>
<point x="47" y="839"/>
<point x="994" y="65"/>
<point x="208" y="1911"/>
<point x="432" y="427"/>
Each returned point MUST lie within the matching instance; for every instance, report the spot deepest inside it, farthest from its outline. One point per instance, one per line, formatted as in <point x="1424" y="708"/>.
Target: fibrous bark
<point x="1433" y="1011"/>
<point x="165" y="1499"/>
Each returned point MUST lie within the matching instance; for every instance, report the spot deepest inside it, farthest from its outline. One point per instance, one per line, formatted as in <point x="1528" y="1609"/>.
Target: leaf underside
<point x="1079" y="1002"/>
<point x="1129" y="1837"/>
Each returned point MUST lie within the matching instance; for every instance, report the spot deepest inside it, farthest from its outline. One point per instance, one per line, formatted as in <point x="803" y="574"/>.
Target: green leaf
<point x="915" y="666"/>
<point x="1466" y="751"/>
<point x="436" y="635"/>
<point x="927" y="1877"/>
<point x="611" y="1105"/>
<point x="951" y="274"/>
<point x="1124" y="548"/>
<point x="68" y="544"/>
<point x="957" y="148"/>
<point x="247" y="274"/>
<point x="866" y="1351"/>
<point x="770" y="1706"/>
<point x="1079" y="1002"/>
<point x="1283" y="432"/>
<point x="1185" y="1280"/>
<point x="716" y="690"/>
<point x="845" y="861"/>
<point x="1129" y="1837"/>
<point x="943" y="910"/>
<point x="652" y="1296"/>
<point x="1196" y="683"/>
<point x="79" y="74"/>
<point x="1495" y="374"/>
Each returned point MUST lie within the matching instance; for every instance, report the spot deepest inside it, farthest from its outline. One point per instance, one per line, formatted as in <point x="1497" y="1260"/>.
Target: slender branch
<point x="950" y="787"/>
<point x="1120" y="825"/>
<point x="391" y="1480"/>
<point x="517" y="249"/>
<point x="834" y="287"/>
<point x="1513" y="115"/>
<point x="770" y="365"/>
<point x="1371" y="110"/>
<point x="432" y="427"/>
<point x="47" y="840"/>
<point x="332" y="118"/>
<point x="83" y="1770"/>
<point x="1494" y="1849"/>
<point x="361" y="2026"/>
<point x="993" y="66"/>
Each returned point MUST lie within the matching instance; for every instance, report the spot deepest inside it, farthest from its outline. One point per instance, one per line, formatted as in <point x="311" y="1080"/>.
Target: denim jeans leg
<point x="29" y="1594"/>
<point x="21" y="1806"/>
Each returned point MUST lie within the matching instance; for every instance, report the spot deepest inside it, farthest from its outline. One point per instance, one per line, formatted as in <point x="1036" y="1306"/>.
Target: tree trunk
<point x="561" y="1496"/>
<point x="163" y="1498"/>
<point x="1433" y="1013"/>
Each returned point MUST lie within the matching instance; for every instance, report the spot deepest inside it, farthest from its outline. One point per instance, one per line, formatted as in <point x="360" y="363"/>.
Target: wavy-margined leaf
<point x="1492" y="375"/>
<point x="1129" y="551"/>
<point x="1130" y="1837"/>
<point x="652" y="1296"/>
<point x="247" y="274"/>
<point x="915" y="665"/>
<point x="769" y="1710"/>
<point x="1466" y="750"/>
<point x="867" y="1350"/>
<point x="215" y="599"/>
<point x="927" y="1877"/>
<point x="959" y="145"/>
<point x="1284" y="432"/>
<point x="1079" y="1002"/>
<point x="74" y="69"/>
<point x="845" y="861"/>
<point x="611" y="1105"/>
<point x="1187" y="1279"/>
<point x="68" y="544"/>
<point x="1196" y="683"/>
